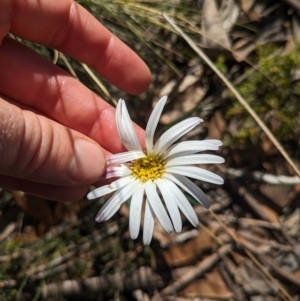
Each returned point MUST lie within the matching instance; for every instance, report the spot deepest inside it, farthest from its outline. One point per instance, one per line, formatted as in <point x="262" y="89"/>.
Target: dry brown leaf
<point x="28" y="237"/>
<point x="242" y="48"/>
<point x="297" y="273"/>
<point x="47" y="214"/>
<point x="168" y="87"/>
<point x="188" y="81"/>
<point x="291" y="224"/>
<point x="186" y="253"/>
<point x="188" y="101"/>
<point x="237" y="257"/>
<point x="247" y="5"/>
<point x="36" y="207"/>
<point x="270" y="213"/>
<point x="214" y="33"/>
<point x="217" y="126"/>
<point x="229" y="11"/>
<point x="279" y="194"/>
<point x="267" y="146"/>
<point x="212" y="286"/>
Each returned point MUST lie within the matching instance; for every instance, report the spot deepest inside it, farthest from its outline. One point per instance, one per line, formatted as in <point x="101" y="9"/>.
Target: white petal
<point x="196" y="173"/>
<point x="135" y="212"/>
<point x="114" y="203"/>
<point x="184" y="205"/>
<point x="174" y="133"/>
<point x="214" y="141"/>
<point x="102" y="215"/>
<point x="125" y="127"/>
<point x="118" y="171"/>
<point x="152" y="123"/>
<point x="190" y="187"/>
<point x="173" y="210"/>
<point x="157" y="206"/>
<point x="124" y="157"/>
<point x="195" y="159"/>
<point x="187" y="147"/>
<point x="148" y="224"/>
<point x="106" y="189"/>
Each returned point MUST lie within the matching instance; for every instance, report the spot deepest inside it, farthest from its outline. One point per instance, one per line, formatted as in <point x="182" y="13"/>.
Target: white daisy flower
<point x="157" y="173"/>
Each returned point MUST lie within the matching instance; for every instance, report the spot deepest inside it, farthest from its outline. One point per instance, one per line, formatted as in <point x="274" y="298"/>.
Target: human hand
<point x="54" y="132"/>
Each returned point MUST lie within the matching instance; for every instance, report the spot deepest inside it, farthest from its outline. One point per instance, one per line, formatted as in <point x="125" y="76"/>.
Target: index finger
<point x="69" y="28"/>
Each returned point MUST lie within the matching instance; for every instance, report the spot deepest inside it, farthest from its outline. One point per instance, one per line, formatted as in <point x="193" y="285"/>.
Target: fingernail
<point x="88" y="162"/>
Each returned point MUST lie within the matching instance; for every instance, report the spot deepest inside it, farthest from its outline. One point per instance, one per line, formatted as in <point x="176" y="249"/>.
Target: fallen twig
<point x="280" y="271"/>
<point x="143" y="278"/>
<point x="194" y="273"/>
<point x="266" y="177"/>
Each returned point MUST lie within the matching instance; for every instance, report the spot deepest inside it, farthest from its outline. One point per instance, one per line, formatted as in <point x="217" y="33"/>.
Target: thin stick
<point x="236" y="93"/>
<point x="98" y="83"/>
<point x="55" y="57"/>
<point x="68" y="65"/>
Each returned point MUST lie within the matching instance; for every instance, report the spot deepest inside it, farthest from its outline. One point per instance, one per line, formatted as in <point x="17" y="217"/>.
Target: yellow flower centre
<point x="148" y="168"/>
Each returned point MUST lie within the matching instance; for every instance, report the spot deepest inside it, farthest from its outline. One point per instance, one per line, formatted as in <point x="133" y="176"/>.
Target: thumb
<point x="38" y="149"/>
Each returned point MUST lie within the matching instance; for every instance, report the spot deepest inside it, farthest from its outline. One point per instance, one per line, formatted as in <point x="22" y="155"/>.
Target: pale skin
<point x="54" y="132"/>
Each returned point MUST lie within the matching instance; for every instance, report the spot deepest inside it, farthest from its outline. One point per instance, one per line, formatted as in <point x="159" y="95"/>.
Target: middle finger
<point x="34" y="81"/>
